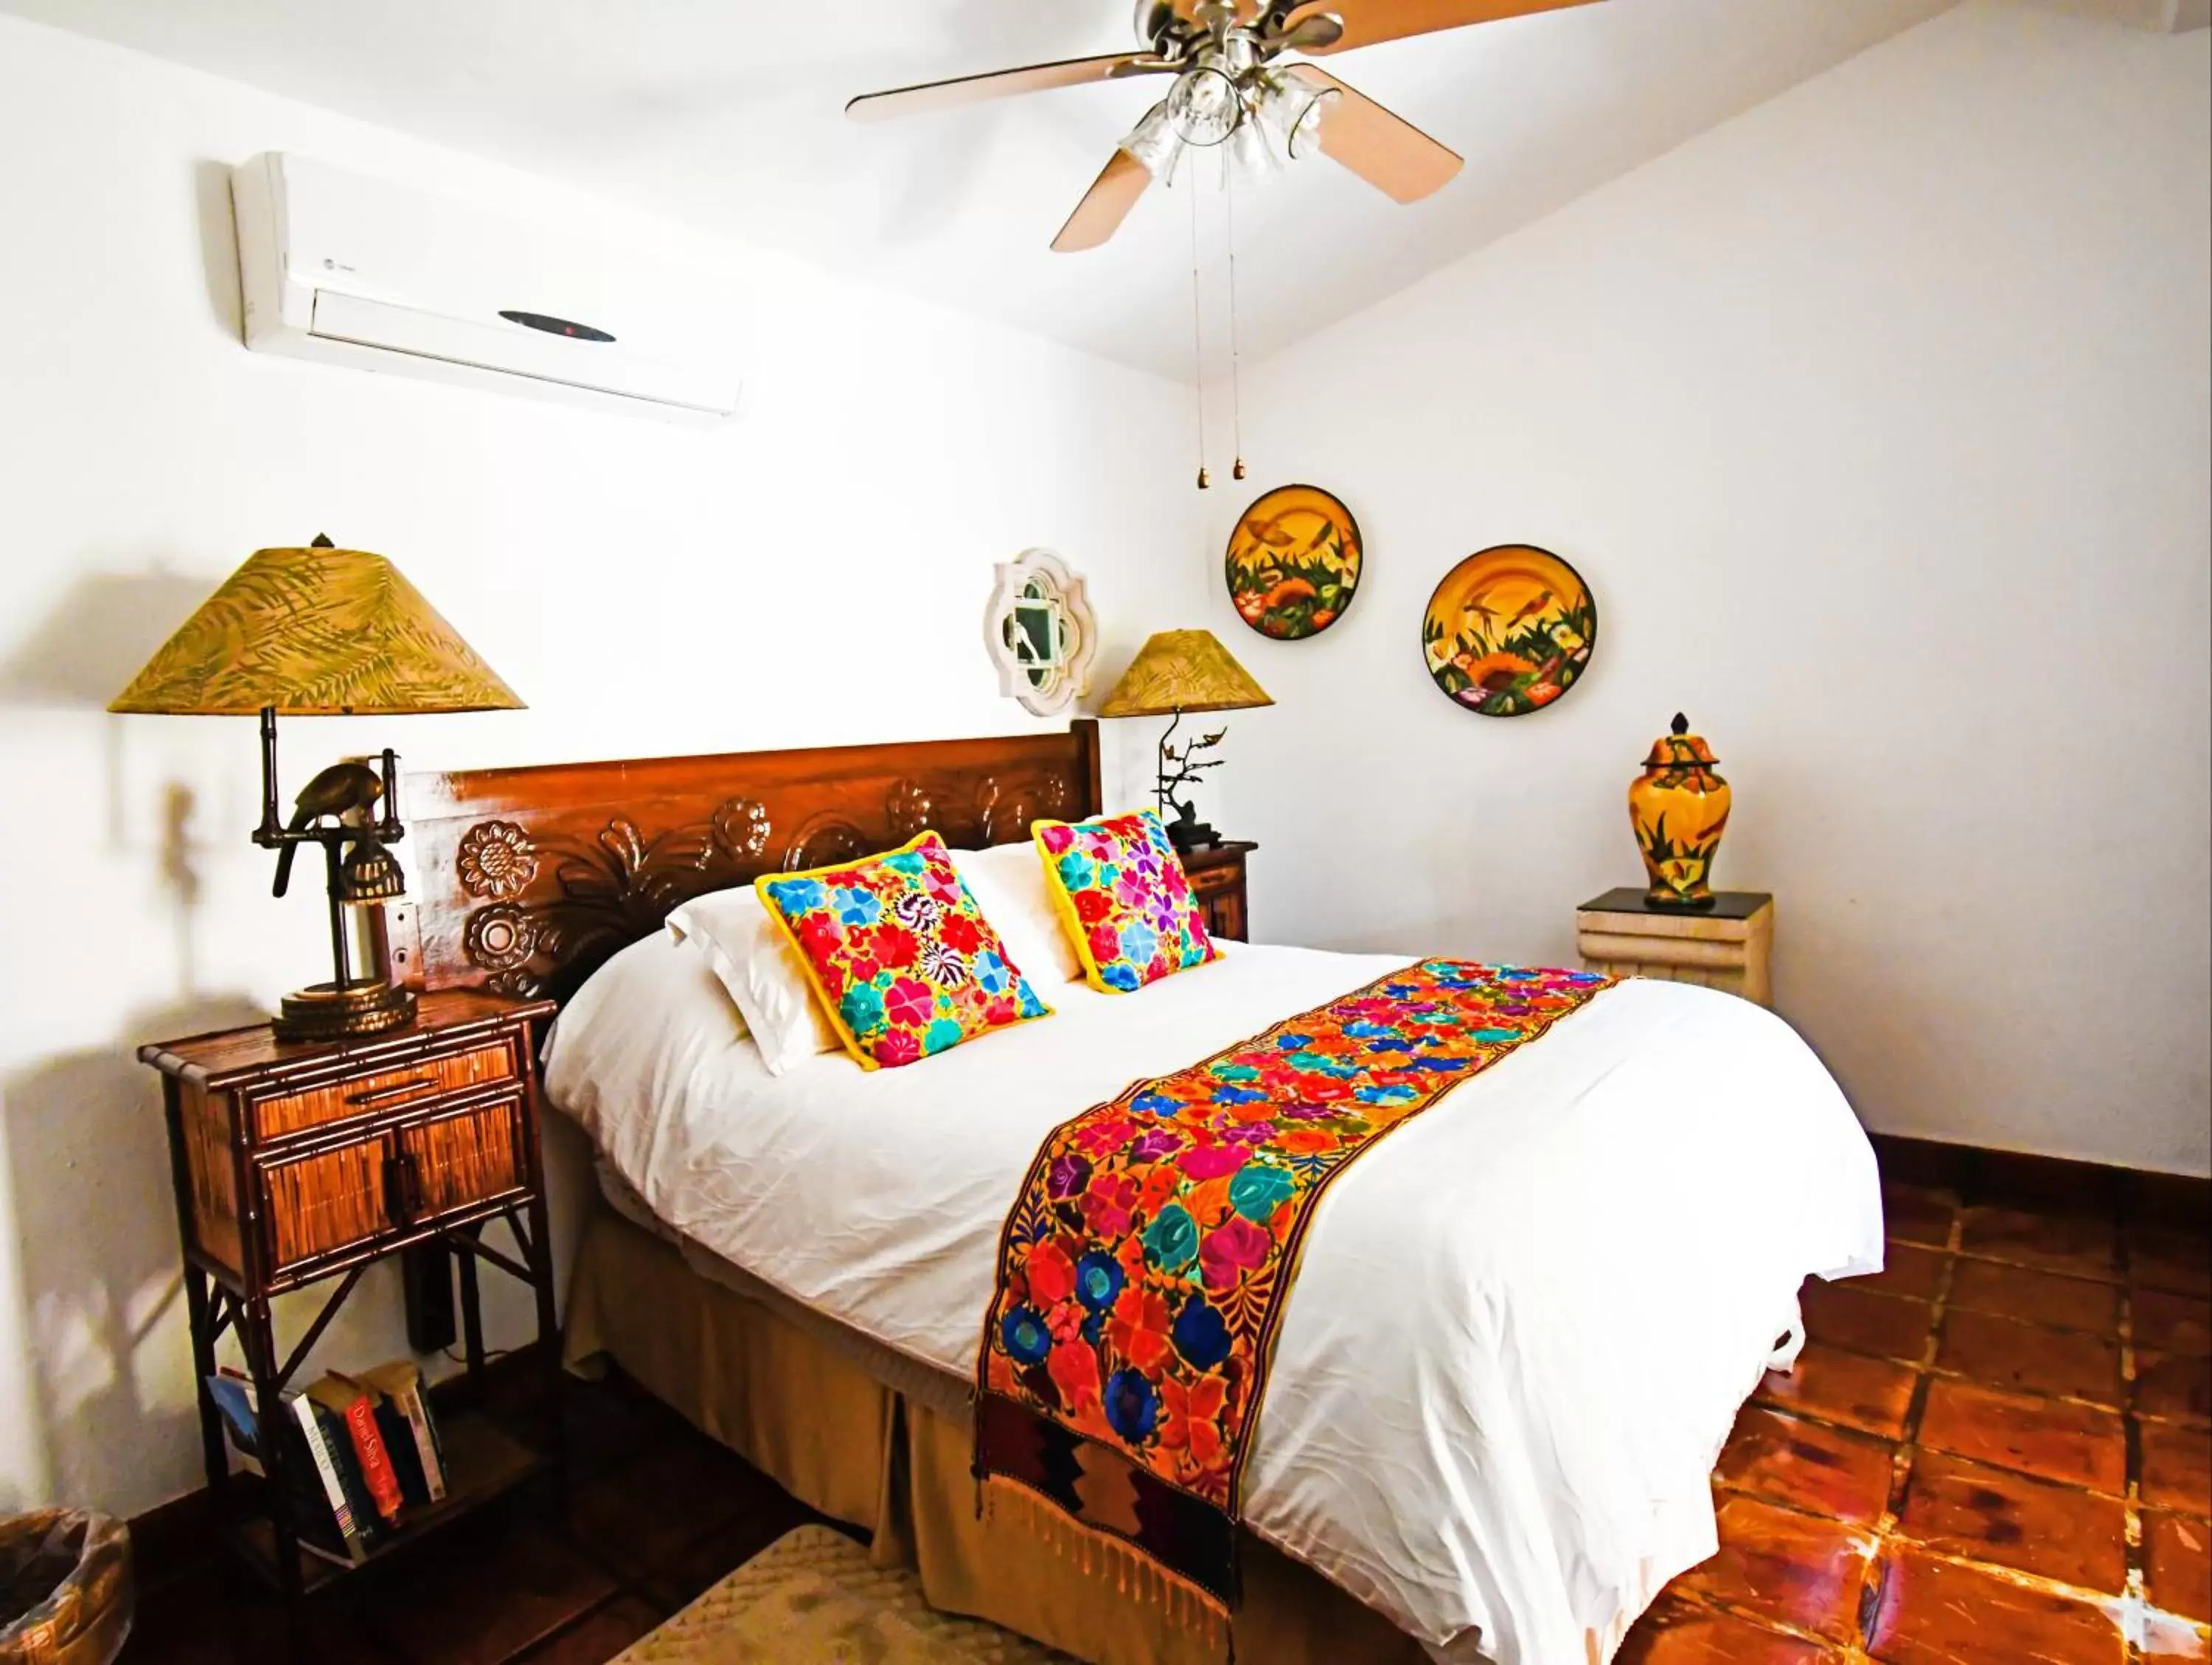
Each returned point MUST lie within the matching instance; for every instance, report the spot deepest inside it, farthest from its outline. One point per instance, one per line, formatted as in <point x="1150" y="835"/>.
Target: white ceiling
<point x="727" y="114"/>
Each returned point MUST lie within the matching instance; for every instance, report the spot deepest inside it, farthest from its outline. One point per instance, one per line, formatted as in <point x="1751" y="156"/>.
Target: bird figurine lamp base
<point x="1188" y="833"/>
<point x="1181" y="767"/>
<point x="336" y="809"/>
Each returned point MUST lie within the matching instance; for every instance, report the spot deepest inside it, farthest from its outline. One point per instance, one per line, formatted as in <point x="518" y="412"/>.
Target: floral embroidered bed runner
<point x="1143" y="1272"/>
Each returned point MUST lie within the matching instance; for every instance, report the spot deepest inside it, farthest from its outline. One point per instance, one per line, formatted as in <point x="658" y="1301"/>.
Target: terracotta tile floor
<point x="1997" y="1453"/>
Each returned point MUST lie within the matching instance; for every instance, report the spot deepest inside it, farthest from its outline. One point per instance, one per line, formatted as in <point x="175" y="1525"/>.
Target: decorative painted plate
<point x="1294" y="562"/>
<point x="1508" y="630"/>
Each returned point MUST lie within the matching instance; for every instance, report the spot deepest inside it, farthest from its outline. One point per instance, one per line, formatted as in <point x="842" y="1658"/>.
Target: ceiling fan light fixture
<point x="1204" y="106"/>
<point x="1155" y="143"/>
<point x="1291" y="110"/>
<point x="1250" y="150"/>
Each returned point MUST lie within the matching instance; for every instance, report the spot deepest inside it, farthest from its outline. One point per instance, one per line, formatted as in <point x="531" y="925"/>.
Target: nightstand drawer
<point x="335" y="1200"/>
<point x="1206" y="880"/>
<point x="400" y="1087"/>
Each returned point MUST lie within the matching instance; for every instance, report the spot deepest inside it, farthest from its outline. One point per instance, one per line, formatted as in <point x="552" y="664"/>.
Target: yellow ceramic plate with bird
<point x="1508" y="630"/>
<point x="1294" y="562"/>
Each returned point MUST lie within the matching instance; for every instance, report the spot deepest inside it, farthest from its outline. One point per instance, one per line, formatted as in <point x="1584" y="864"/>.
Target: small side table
<point x="298" y="1163"/>
<point x="1725" y="946"/>
<point x="1216" y="880"/>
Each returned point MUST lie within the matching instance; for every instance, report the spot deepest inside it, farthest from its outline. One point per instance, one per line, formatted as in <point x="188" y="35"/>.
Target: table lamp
<point x="323" y="631"/>
<point x="1176" y="671"/>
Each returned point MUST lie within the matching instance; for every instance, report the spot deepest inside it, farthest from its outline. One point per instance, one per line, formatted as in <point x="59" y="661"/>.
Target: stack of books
<point x="360" y="1451"/>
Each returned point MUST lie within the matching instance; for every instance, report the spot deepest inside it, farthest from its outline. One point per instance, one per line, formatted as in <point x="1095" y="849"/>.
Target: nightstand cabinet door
<point x="1216" y="883"/>
<point x="318" y="1202"/>
<point x="334" y="1202"/>
<point x="462" y="1159"/>
<point x="1224" y="908"/>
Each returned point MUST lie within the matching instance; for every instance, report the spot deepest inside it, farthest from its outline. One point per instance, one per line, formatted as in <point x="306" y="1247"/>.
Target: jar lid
<point x="1679" y="749"/>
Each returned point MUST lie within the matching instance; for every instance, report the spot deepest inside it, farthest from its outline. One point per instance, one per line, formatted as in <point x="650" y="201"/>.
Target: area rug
<point x="811" y="1598"/>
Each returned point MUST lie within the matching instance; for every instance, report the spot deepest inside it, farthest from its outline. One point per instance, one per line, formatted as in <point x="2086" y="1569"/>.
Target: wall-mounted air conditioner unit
<point x="359" y="272"/>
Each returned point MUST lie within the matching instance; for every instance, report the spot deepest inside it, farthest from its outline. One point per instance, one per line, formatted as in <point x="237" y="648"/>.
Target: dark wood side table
<point x="1216" y="878"/>
<point x="301" y="1162"/>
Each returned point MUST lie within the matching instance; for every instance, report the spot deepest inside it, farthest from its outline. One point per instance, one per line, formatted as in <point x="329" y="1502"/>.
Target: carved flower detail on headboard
<point x="741" y="828"/>
<point x="500" y="938"/>
<point x="824" y="839"/>
<point x="497" y="861"/>
<point x="1003" y="815"/>
<point x="909" y="808"/>
<point x="1005" y="811"/>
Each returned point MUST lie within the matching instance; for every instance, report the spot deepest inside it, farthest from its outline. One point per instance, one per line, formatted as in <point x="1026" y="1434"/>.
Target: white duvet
<point x="1522" y="1325"/>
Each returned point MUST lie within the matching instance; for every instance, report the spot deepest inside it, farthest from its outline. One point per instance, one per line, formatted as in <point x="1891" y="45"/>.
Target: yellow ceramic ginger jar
<point x="1680" y="808"/>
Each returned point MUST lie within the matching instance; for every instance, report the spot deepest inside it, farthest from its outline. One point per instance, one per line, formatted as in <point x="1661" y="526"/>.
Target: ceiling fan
<point x="1229" y="89"/>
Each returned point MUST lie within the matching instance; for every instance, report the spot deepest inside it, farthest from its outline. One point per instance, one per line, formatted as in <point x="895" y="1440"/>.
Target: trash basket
<point x="64" y="1588"/>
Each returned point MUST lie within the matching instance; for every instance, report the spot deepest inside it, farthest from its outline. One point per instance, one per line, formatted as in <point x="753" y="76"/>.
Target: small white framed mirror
<point x="1040" y="633"/>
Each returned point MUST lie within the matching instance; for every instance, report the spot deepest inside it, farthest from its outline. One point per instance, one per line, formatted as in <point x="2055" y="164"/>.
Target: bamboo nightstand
<point x="1725" y="946"/>
<point x="1217" y="879"/>
<point x="294" y="1163"/>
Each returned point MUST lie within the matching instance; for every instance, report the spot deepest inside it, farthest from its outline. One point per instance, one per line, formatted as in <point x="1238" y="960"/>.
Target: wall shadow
<point x="106" y="626"/>
<point x="85" y="1145"/>
<point x="97" y="1248"/>
<point x="80" y="656"/>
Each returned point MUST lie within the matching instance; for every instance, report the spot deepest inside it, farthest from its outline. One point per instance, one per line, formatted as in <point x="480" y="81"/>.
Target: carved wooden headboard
<point x="528" y="879"/>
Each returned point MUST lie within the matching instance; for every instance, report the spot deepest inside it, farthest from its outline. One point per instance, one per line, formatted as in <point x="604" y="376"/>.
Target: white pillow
<point x="1008" y="884"/>
<point x="762" y="972"/>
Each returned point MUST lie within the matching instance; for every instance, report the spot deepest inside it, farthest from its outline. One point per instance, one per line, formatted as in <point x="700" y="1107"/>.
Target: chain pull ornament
<point x="1198" y="343"/>
<point x="1236" y="380"/>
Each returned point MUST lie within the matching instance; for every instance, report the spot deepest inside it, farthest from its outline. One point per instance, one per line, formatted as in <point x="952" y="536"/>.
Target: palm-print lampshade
<point x="1183" y="671"/>
<point x="315" y="632"/>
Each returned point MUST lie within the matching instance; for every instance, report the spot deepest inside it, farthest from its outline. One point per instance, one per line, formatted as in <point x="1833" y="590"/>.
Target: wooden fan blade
<point x="1245" y="11"/>
<point x="1105" y="206"/>
<point x="1367" y="22"/>
<point x="1387" y="151"/>
<point x="1003" y="83"/>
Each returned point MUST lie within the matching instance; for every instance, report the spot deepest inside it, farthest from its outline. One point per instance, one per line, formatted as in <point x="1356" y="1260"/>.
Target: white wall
<point x="813" y="573"/>
<point x="1877" y="420"/>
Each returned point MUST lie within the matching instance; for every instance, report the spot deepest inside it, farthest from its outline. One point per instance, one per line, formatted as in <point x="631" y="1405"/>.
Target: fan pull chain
<point x="1236" y="388"/>
<point x="1198" y="342"/>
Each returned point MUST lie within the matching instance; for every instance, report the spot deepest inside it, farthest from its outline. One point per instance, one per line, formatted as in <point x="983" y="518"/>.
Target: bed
<point x="1521" y="1330"/>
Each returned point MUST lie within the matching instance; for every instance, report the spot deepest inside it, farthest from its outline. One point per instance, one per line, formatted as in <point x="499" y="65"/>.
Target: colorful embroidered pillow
<point x="903" y="960"/>
<point x="1124" y="899"/>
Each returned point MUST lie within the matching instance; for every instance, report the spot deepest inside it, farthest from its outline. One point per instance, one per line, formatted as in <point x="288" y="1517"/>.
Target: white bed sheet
<point x="1522" y="1326"/>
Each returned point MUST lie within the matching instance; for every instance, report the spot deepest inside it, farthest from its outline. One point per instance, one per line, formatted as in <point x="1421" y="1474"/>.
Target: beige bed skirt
<point x="840" y="1439"/>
